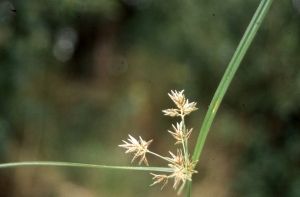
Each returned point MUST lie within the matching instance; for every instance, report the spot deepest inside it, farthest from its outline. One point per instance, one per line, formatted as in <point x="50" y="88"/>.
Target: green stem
<point x="230" y="71"/>
<point x="181" y="188"/>
<point x="185" y="142"/>
<point x="50" y="163"/>
<point x="164" y="158"/>
<point x="189" y="189"/>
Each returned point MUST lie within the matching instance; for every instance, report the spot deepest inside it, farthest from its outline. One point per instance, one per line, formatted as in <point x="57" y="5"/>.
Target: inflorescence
<point x="181" y="164"/>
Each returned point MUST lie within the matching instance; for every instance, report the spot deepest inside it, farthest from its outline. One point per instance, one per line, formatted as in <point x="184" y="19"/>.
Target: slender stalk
<point x="230" y="71"/>
<point x="227" y="78"/>
<point x="189" y="189"/>
<point x="164" y="158"/>
<point x="67" y="164"/>
<point x="181" y="188"/>
<point x="184" y="142"/>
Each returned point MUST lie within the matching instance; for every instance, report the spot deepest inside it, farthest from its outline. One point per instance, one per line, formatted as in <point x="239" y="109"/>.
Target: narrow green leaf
<point x="181" y="189"/>
<point x="189" y="189"/>
<point x="229" y="73"/>
<point x="67" y="164"/>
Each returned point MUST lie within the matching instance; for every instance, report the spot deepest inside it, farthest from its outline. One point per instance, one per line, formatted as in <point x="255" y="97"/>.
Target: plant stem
<point x="230" y="71"/>
<point x="181" y="188"/>
<point x="184" y="142"/>
<point x="50" y="163"/>
<point x="164" y="158"/>
<point x="189" y="189"/>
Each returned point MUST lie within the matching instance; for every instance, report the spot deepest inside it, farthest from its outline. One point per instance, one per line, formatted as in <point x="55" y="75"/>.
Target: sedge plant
<point x="181" y="166"/>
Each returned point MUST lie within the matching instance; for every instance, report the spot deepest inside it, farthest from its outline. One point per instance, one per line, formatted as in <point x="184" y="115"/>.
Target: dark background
<point x="78" y="76"/>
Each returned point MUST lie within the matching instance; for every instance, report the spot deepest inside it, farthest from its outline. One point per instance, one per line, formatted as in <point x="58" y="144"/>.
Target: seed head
<point x="179" y="159"/>
<point x="172" y="112"/>
<point x="182" y="168"/>
<point x="189" y="107"/>
<point x="178" y="98"/>
<point x="179" y="134"/>
<point x="160" y="178"/>
<point x="179" y="174"/>
<point x="184" y="107"/>
<point x="140" y="148"/>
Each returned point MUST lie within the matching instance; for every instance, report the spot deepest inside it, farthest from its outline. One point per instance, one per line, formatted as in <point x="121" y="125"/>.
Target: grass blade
<point x="229" y="73"/>
<point x="189" y="189"/>
<point x="67" y="164"/>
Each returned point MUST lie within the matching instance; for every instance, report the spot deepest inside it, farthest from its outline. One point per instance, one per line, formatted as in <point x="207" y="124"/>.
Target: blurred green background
<point x="78" y="76"/>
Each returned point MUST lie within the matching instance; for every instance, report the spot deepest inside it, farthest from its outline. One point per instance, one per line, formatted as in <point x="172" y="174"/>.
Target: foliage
<point x="77" y="109"/>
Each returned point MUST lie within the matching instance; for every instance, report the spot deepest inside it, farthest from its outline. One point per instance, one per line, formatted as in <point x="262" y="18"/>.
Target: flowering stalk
<point x="180" y="164"/>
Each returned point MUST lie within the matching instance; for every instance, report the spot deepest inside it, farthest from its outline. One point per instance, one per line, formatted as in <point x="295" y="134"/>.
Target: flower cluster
<point x="181" y="165"/>
<point x="140" y="148"/>
<point x="184" y="107"/>
<point x="179" y="135"/>
<point x="183" y="170"/>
